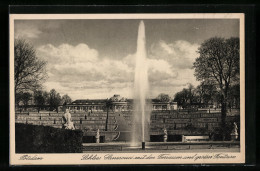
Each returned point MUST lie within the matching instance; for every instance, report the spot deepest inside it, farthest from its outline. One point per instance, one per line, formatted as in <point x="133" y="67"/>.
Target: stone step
<point x="55" y="117"/>
<point x="39" y="122"/>
<point x="61" y="114"/>
<point x="93" y="127"/>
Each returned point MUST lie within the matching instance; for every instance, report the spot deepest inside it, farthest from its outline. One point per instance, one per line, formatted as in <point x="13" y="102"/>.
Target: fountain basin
<point x="159" y="146"/>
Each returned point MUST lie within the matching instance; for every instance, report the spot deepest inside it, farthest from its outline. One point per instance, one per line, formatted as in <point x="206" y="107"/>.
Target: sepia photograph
<point x="127" y="88"/>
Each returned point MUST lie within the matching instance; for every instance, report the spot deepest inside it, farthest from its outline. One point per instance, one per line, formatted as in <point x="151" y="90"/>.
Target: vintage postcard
<point x="127" y="89"/>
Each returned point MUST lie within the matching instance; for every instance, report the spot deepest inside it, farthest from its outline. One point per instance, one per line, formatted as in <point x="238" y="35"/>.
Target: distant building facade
<point x="117" y="103"/>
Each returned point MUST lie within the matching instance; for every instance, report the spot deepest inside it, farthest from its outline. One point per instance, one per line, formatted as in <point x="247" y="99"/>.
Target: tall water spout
<point x="141" y="117"/>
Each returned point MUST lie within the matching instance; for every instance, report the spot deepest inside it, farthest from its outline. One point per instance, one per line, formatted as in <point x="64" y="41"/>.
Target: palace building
<point x="117" y="103"/>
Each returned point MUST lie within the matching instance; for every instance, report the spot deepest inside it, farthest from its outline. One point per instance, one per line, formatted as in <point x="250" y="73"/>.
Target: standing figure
<point x="97" y="136"/>
<point x="234" y="133"/>
<point x="165" y="136"/>
<point x="68" y="122"/>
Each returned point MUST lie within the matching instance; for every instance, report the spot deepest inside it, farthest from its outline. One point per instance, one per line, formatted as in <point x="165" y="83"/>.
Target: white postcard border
<point x="75" y="159"/>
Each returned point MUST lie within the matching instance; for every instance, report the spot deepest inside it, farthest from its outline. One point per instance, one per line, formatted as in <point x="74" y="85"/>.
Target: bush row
<point x="45" y="139"/>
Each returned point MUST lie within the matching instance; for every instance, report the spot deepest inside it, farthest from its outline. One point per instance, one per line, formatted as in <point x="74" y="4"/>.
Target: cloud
<point x="80" y="72"/>
<point x="27" y="31"/>
<point x="159" y="65"/>
<point x="175" y="60"/>
<point x="167" y="47"/>
<point x="80" y="68"/>
<point x="180" y="54"/>
<point x="155" y="67"/>
<point x="171" y="85"/>
<point x="68" y="54"/>
<point x="33" y="29"/>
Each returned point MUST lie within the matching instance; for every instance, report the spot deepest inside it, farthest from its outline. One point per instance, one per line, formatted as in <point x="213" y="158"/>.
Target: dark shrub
<point x="45" y="139"/>
<point x="217" y="133"/>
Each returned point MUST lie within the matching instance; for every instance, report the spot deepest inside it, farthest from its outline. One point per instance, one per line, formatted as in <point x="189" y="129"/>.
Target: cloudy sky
<point x="90" y="59"/>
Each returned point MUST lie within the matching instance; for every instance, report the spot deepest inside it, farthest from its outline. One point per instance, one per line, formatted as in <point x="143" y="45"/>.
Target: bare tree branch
<point x="30" y="71"/>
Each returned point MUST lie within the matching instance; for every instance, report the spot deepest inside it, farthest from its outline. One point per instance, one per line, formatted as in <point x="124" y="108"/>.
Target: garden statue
<point x="68" y="122"/>
<point x="97" y="136"/>
<point x="165" y="136"/>
<point x="234" y="133"/>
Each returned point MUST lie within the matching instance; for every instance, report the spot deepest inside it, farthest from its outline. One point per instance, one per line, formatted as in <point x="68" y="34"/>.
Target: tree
<point x="219" y="63"/>
<point x="200" y="92"/>
<point x="54" y="100"/>
<point x="29" y="69"/>
<point x="186" y="97"/>
<point x="217" y="98"/>
<point x="66" y="99"/>
<point x="178" y="97"/>
<point x="191" y="93"/>
<point x="163" y="97"/>
<point x="40" y="98"/>
<point x="234" y="96"/>
<point x="205" y="93"/>
<point x="46" y="98"/>
<point x="18" y="98"/>
<point x="182" y="98"/>
<point x="26" y="97"/>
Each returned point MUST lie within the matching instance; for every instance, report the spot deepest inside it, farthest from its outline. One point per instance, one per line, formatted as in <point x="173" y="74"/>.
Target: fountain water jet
<point x="141" y="112"/>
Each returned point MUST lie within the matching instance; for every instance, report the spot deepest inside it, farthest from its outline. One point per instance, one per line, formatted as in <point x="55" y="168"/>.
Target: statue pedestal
<point x="143" y="145"/>
<point x="234" y="137"/>
<point x="165" y="138"/>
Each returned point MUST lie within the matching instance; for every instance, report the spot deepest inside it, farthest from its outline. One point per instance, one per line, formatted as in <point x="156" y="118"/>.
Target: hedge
<point x="45" y="139"/>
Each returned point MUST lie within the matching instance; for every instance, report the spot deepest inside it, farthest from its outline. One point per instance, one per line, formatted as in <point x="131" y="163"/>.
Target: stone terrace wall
<point x="176" y="122"/>
<point x="183" y="122"/>
<point x="84" y="121"/>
